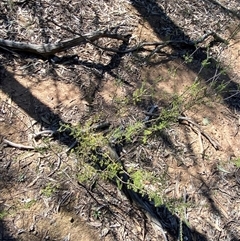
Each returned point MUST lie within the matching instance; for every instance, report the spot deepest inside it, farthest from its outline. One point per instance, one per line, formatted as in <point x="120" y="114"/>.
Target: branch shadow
<point x="160" y="24"/>
<point x="4" y="234"/>
<point x="166" y="29"/>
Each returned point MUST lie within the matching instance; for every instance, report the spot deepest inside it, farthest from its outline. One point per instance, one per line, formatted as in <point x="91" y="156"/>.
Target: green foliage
<point x="172" y="71"/>
<point x="49" y="190"/>
<point x="146" y="134"/>
<point x="96" y="159"/>
<point x="188" y="58"/>
<point x="133" y="130"/>
<point x="112" y="170"/>
<point x="156" y="198"/>
<point x="237" y="162"/>
<point x="30" y="203"/>
<point x="3" y="214"/>
<point x="206" y="62"/>
<point x="88" y="139"/>
<point x="139" y="93"/>
<point x="146" y="183"/>
<point x="97" y="214"/>
<point x="193" y="95"/>
<point x="138" y="177"/>
<point x="21" y="177"/>
<point x="86" y="173"/>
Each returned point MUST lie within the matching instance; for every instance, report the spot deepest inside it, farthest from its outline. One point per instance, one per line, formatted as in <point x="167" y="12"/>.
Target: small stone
<point x="104" y="232"/>
<point x="32" y="228"/>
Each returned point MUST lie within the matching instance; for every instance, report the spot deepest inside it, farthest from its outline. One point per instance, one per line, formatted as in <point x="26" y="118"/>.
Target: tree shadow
<point x="166" y="29"/>
<point x="169" y="221"/>
<point x="7" y="179"/>
<point x="28" y="102"/>
<point x="4" y="234"/>
<point x="208" y="194"/>
<point x="37" y="110"/>
<point x="224" y="9"/>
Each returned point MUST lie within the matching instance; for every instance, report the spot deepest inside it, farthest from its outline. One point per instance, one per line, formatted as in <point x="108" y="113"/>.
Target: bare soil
<point x="40" y="197"/>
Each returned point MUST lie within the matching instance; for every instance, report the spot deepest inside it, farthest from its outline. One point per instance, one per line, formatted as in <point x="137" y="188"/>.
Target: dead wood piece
<point x="20" y="146"/>
<point x="57" y="166"/>
<point x="47" y="50"/>
<point x="45" y="132"/>
<point x="214" y="143"/>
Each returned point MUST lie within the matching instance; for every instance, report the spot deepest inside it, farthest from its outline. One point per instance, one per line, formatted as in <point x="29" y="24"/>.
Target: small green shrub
<point x="3" y="214"/>
<point x="237" y="162"/>
<point x="49" y="190"/>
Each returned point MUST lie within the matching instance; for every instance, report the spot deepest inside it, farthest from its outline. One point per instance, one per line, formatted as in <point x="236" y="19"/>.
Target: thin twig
<point x="57" y="167"/>
<point x="200" y="141"/>
<point x="214" y="143"/>
<point x="49" y="132"/>
<point x="71" y="146"/>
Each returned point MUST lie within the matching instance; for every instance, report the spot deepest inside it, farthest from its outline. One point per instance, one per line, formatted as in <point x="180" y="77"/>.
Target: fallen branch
<point x="214" y="143"/>
<point x="47" y="50"/>
<point x="45" y="132"/>
<point x="19" y="146"/>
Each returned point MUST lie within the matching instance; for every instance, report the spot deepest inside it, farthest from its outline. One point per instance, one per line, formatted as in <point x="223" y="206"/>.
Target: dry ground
<point x="40" y="197"/>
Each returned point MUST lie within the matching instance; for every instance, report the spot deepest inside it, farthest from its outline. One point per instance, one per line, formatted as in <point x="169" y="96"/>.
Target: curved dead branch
<point x="47" y="50"/>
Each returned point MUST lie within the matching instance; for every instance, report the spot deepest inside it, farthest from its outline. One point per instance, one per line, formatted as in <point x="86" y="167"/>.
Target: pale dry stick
<point x="63" y="200"/>
<point x="185" y="202"/>
<point x="51" y="132"/>
<point x="33" y="182"/>
<point x="8" y="50"/>
<point x="48" y="132"/>
<point x="19" y="146"/>
<point x="177" y="193"/>
<point x="213" y="224"/>
<point x="214" y="143"/>
<point x="157" y="225"/>
<point x="71" y="146"/>
<point x="139" y="46"/>
<point x="229" y="97"/>
<point x="200" y="141"/>
<point x="57" y="167"/>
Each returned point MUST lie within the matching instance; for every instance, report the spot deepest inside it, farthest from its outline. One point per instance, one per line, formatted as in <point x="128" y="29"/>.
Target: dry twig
<point x="20" y="146"/>
<point x="183" y="119"/>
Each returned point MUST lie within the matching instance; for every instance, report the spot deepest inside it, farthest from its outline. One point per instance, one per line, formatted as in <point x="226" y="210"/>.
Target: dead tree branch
<point x="47" y="50"/>
<point x="197" y="129"/>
